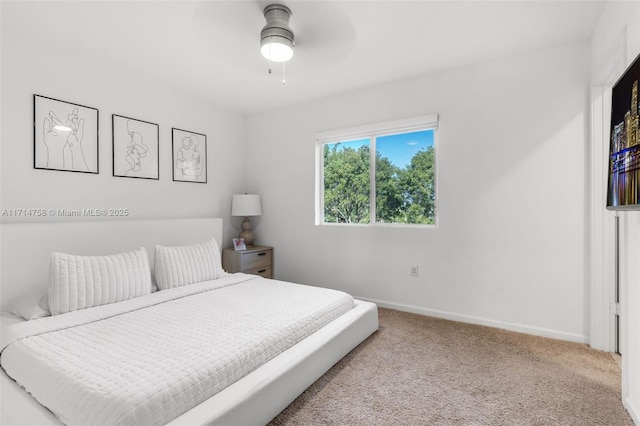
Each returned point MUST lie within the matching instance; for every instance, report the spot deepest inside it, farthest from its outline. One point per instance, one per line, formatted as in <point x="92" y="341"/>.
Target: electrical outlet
<point x="413" y="270"/>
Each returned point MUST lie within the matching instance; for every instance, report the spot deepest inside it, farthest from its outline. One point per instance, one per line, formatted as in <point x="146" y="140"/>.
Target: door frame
<point x="603" y="224"/>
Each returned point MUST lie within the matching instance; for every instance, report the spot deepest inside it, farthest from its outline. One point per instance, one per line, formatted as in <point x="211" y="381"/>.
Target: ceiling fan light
<point x="277" y="39"/>
<point x="276" y="49"/>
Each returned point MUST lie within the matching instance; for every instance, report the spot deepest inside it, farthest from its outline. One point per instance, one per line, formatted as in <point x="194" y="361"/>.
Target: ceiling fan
<point x="277" y="40"/>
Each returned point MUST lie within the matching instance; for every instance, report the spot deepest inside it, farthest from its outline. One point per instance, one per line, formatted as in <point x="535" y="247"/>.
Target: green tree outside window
<point x="403" y="194"/>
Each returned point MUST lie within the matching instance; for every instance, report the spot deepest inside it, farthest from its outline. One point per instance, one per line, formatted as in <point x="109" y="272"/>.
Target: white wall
<point x="509" y="250"/>
<point x="30" y="65"/>
<point x="618" y="31"/>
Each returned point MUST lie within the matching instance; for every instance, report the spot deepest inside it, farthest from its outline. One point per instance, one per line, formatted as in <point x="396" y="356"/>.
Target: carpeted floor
<point x="419" y="370"/>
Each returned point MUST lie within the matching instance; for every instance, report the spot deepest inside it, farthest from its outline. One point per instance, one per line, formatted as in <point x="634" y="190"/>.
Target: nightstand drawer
<point x="256" y="259"/>
<point x="263" y="271"/>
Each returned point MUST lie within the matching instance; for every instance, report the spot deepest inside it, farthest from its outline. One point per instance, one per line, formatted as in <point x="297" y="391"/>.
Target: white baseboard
<point x="536" y="331"/>
<point x="633" y="409"/>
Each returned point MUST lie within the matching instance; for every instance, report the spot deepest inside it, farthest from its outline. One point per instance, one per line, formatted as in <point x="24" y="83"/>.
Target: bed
<point x="262" y="384"/>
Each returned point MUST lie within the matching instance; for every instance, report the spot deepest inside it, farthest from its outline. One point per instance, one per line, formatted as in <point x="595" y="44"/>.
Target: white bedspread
<point x="147" y="360"/>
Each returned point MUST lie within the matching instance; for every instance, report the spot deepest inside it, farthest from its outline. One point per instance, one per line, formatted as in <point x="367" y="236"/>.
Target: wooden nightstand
<point x="257" y="260"/>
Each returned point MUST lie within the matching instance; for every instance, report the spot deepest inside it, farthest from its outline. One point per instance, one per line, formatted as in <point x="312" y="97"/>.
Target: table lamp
<point x="246" y="205"/>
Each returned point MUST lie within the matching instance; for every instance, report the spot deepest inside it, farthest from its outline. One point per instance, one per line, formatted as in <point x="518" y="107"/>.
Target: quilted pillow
<point x="79" y="282"/>
<point x="178" y="266"/>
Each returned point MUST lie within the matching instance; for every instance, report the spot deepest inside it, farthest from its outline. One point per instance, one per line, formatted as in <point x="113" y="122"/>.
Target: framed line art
<point x="65" y="136"/>
<point x="135" y="148"/>
<point x="189" y="156"/>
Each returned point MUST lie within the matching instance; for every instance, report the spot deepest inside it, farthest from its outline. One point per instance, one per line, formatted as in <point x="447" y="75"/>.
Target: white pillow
<point x="31" y="306"/>
<point x="178" y="266"/>
<point x="79" y="282"/>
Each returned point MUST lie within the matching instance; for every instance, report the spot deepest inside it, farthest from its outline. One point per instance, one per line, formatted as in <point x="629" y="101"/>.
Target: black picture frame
<point x="188" y="156"/>
<point x="623" y="184"/>
<point x="65" y="136"/>
<point x="135" y="148"/>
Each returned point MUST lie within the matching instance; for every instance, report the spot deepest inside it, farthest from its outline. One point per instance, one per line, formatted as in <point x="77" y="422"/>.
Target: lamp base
<point x="246" y="232"/>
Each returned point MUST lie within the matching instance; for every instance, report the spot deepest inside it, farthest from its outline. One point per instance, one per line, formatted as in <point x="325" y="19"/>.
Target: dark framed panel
<point x="65" y="136"/>
<point x="623" y="190"/>
<point x="135" y="148"/>
<point x="189" y="156"/>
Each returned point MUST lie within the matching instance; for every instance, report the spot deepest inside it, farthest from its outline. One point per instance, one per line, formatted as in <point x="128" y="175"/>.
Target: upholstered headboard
<point x="25" y="248"/>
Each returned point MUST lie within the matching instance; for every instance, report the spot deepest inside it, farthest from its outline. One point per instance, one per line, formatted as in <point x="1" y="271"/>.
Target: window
<point x="379" y="174"/>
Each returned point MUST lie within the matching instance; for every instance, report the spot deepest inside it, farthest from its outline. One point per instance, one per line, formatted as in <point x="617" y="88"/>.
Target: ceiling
<point x="210" y="49"/>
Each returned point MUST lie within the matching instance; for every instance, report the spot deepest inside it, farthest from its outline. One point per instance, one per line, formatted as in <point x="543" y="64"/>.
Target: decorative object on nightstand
<point x="256" y="260"/>
<point x="238" y="244"/>
<point x="246" y="205"/>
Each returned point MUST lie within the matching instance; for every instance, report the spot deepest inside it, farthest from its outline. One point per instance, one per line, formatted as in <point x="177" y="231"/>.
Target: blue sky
<point x="399" y="149"/>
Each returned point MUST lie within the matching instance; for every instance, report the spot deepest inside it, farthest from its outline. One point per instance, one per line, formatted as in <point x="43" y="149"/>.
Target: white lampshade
<point x="246" y="205"/>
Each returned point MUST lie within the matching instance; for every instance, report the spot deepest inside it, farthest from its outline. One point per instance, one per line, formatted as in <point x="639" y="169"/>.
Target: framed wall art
<point x="65" y="136"/>
<point x="135" y="148"/>
<point x="189" y="156"/>
<point x="623" y="190"/>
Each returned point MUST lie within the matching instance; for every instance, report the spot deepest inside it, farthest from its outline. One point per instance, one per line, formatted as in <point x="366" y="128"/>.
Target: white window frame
<point x="371" y="132"/>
